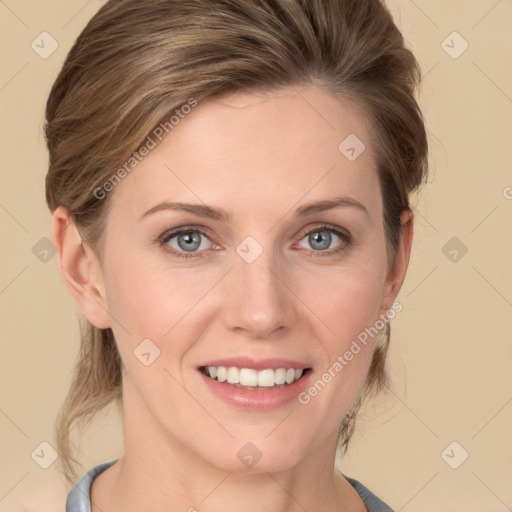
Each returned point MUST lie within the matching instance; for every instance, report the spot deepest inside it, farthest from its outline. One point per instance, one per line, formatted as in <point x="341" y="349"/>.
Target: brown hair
<point x="136" y="62"/>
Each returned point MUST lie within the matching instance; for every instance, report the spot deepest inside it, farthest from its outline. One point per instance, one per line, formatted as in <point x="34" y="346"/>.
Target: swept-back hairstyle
<point x="137" y="61"/>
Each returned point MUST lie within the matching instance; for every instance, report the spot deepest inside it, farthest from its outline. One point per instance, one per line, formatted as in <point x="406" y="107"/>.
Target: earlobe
<point x="396" y="274"/>
<point x="80" y="269"/>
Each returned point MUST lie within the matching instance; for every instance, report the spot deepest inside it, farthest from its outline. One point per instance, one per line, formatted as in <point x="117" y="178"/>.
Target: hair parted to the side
<point x="137" y="61"/>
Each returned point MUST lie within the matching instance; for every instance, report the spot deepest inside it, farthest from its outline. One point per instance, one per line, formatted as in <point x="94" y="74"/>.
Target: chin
<point x="256" y="455"/>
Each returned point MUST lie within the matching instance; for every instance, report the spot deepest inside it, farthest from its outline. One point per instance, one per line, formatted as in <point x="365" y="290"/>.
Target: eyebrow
<point x="205" y="211"/>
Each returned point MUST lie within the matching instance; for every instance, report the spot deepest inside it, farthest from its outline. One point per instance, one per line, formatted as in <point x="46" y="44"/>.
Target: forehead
<point x="254" y="150"/>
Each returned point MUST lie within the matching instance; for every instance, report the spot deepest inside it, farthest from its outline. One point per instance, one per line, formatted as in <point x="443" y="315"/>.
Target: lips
<point x="257" y="384"/>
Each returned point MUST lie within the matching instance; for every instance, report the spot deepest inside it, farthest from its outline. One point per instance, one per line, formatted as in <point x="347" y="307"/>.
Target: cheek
<point x="347" y="301"/>
<point x="348" y="306"/>
<point x="147" y="300"/>
<point x="148" y="305"/>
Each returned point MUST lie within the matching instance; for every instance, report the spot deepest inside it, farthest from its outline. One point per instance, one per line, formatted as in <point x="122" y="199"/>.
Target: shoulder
<point x="53" y="495"/>
<point x="371" y="501"/>
<point x="79" y="497"/>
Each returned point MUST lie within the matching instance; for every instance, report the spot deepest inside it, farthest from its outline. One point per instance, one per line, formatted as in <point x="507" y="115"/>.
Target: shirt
<point x="79" y="498"/>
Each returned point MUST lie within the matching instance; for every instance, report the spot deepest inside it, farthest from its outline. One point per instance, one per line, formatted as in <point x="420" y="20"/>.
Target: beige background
<point x="451" y="347"/>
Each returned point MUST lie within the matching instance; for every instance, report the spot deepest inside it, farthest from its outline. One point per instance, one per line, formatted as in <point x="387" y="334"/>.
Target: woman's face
<point x="259" y="279"/>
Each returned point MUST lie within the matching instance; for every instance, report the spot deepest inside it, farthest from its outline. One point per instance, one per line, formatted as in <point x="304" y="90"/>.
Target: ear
<point x="396" y="273"/>
<point x="80" y="269"/>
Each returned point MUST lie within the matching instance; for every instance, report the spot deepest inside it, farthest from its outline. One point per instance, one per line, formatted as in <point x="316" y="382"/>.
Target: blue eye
<point x="321" y="238"/>
<point x="189" y="241"/>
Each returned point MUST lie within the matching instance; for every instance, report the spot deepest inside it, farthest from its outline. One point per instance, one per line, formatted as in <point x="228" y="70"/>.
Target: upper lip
<point x="256" y="364"/>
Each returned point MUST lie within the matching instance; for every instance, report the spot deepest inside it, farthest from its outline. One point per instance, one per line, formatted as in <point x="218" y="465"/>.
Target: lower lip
<point x="257" y="399"/>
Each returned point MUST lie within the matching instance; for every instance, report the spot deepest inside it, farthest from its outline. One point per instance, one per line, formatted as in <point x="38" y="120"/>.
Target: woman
<point x="229" y="183"/>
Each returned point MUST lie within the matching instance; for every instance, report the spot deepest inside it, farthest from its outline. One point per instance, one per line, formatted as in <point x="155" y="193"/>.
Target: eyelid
<point x="170" y="233"/>
<point x="328" y="227"/>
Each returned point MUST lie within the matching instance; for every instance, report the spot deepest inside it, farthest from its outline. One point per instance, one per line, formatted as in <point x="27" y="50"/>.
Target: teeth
<point x="249" y="377"/>
<point x="221" y="373"/>
<point x="280" y="376"/>
<point x="233" y="375"/>
<point x="266" y="379"/>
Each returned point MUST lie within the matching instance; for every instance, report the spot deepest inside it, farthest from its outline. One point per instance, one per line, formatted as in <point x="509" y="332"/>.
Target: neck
<point x="157" y="471"/>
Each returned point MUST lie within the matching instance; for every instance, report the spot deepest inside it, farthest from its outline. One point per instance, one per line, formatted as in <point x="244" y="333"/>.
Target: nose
<point x="259" y="302"/>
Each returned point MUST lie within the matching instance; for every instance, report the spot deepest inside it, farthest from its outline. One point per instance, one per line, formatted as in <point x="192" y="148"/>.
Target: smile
<point x="251" y="378"/>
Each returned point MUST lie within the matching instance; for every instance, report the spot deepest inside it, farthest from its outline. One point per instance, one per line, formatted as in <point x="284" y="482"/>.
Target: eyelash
<point x="344" y="236"/>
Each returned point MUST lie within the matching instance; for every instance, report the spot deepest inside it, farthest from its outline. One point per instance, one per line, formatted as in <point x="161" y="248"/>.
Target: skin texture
<point x="259" y="157"/>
